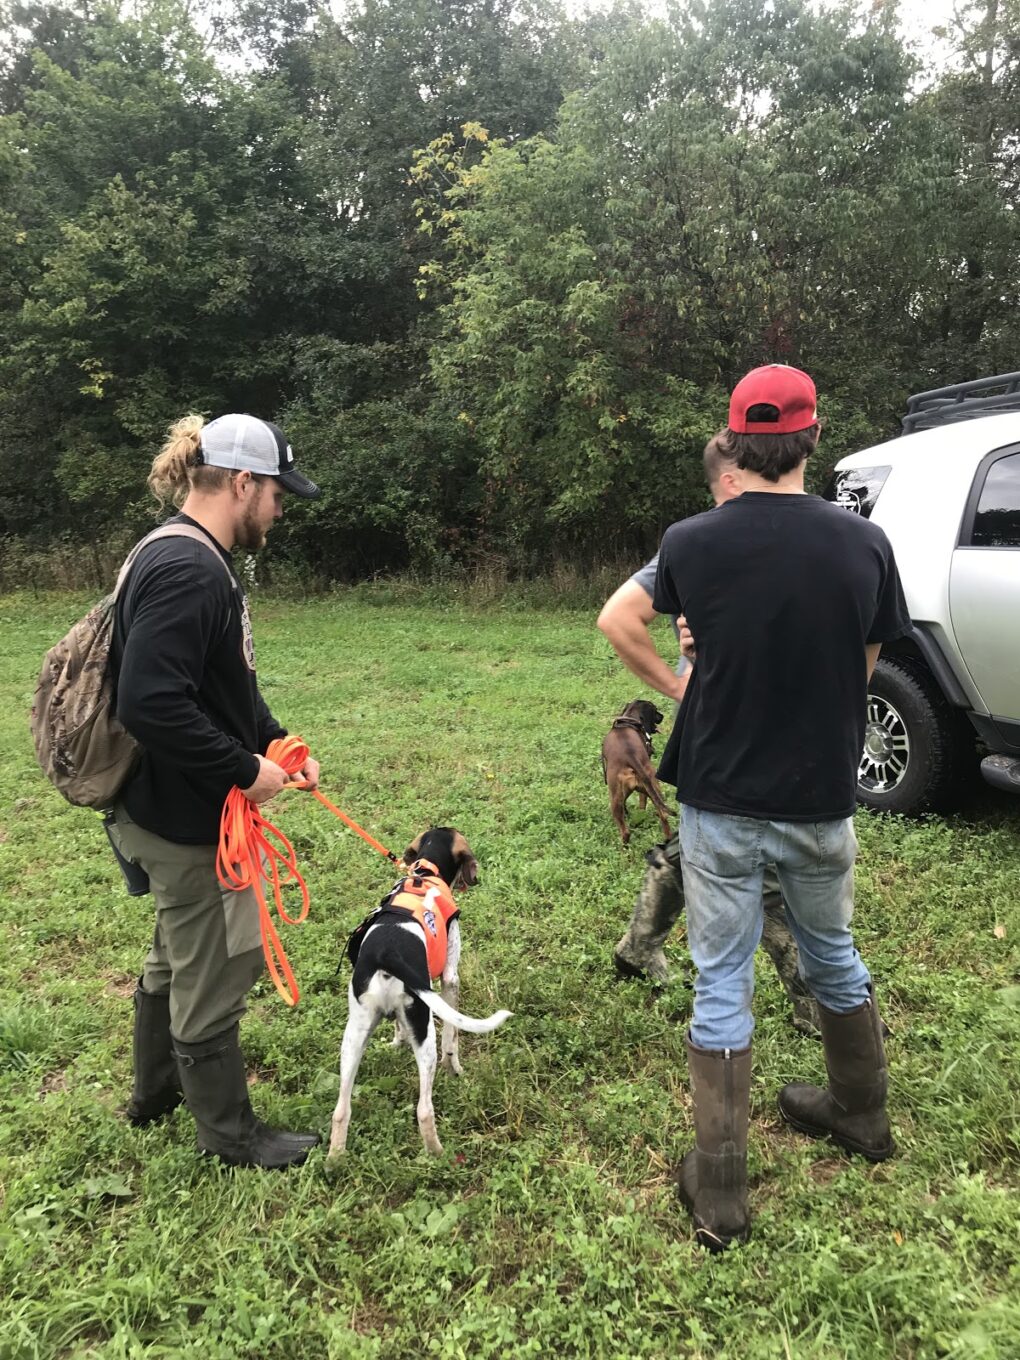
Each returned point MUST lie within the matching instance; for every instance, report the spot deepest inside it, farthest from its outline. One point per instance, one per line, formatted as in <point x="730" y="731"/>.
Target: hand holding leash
<point x="270" y="779"/>
<point x="253" y="852"/>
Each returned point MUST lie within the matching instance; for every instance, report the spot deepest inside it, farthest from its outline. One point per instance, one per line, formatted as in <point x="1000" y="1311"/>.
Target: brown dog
<point x="627" y="765"/>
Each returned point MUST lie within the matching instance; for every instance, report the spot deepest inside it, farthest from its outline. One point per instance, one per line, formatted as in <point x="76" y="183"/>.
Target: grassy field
<point x="549" y="1226"/>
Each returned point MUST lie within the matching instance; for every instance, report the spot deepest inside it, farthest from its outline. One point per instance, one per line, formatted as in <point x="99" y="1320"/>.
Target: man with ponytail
<point x="184" y="662"/>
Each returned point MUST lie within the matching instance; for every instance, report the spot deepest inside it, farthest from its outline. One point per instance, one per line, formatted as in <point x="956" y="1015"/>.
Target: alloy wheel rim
<point x="886" y="754"/>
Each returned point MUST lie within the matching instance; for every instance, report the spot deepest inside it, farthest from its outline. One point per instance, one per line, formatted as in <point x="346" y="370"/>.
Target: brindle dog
<point x="627" y="765"/>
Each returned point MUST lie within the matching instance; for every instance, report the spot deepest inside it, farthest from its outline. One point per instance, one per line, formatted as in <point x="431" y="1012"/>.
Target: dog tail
<point x="468" y="1023"/>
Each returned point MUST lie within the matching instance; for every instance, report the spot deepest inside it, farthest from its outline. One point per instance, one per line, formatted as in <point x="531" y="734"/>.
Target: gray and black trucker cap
<point x="247" y="444"/>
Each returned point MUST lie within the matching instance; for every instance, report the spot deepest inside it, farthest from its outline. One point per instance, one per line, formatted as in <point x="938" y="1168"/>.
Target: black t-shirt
<point x="781" y="593"/>
<point x="184" y="662"/>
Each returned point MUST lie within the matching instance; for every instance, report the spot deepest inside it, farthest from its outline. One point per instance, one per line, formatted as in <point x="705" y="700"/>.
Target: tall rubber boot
<point x="712" y="1182"/>
<point x="157" y="1083"/>
<point x="659" y="904"/>
<point x="851" y="1111"/>
<point x="215" y="1087"/>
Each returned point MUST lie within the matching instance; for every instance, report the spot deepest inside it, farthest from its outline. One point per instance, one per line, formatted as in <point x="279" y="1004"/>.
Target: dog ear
<point x="467" y="865"/>
<point x="411" y="853"/>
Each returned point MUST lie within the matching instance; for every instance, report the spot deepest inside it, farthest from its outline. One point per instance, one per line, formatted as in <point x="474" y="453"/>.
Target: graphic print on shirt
<point x="247" y="639"/>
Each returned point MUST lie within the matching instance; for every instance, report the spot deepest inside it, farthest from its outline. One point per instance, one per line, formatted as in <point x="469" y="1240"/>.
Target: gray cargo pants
<point x="206" y="946"/>
<point x="659" y="904"/>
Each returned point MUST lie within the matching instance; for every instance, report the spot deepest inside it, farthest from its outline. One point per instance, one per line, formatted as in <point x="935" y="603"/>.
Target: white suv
<point x="947" y="493"/>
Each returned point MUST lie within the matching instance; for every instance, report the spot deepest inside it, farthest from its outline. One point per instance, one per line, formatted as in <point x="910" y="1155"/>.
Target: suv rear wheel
<point x="915" y="749"/>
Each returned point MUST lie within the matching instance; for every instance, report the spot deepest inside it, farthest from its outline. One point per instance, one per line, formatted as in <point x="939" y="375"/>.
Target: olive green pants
<point x="206" y="946"/>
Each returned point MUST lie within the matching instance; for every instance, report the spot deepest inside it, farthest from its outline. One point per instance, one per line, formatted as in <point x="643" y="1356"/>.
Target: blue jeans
<point x="724" y="859"/>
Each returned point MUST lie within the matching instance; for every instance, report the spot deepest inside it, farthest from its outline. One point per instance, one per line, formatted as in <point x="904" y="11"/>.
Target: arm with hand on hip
<point x="625" y="619"/>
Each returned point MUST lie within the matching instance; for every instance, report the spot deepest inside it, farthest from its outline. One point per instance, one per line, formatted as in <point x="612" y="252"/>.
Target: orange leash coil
<point x="252" y="852"/>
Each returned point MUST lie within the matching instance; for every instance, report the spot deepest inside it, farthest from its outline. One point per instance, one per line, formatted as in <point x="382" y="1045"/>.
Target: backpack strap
<point x="170" y="531"/>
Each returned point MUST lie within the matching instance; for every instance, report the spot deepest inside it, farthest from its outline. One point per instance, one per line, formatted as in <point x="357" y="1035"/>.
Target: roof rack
<point x="962" y="401"/>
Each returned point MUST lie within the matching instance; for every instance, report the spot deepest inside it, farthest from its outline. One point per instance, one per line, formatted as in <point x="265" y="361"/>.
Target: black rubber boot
<point x="659" y="904"/>
<point x="712" y="1181"/>
<point x="852" y="1110"/>
<point x="157" y="1082"/>
<point x="215" y="1087"/>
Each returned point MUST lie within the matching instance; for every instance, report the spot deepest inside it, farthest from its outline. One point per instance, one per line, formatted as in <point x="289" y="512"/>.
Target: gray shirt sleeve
<point x="645" y="578"/>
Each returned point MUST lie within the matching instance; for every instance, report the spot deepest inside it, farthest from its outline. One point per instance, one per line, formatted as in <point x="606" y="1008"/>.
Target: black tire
<point x="916" y="756"/>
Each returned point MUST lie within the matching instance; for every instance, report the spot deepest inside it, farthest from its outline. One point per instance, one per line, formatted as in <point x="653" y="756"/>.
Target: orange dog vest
<point x="429" y="900"/>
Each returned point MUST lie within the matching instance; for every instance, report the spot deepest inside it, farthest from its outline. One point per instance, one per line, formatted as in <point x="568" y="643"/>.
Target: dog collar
<point x="638" y="726"/>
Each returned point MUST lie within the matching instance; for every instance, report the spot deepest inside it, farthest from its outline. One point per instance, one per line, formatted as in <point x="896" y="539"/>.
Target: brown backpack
<point x="83" y="750"/>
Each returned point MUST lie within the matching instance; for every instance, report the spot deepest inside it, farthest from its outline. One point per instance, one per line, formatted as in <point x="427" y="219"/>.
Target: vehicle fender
<point x="920" y="641"/>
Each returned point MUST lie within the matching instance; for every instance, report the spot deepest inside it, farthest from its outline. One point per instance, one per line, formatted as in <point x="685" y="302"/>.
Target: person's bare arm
<point x="625" y="619"/>
<point x="871" y="651"/>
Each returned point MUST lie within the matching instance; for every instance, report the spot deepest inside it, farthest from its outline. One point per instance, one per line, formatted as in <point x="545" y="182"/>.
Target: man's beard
<point x="250" y="535"/>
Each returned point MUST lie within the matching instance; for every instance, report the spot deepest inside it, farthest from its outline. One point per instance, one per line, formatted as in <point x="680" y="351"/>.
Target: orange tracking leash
<point x="253" y="852"/>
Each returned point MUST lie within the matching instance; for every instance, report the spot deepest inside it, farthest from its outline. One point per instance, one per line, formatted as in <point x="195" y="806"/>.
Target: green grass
<point x="549" y="1225"/>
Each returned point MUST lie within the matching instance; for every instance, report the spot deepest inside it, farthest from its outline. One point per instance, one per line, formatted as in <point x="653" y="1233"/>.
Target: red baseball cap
<point x="789" y="390"/>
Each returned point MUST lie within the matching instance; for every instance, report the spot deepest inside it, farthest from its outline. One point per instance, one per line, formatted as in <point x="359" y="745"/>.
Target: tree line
<point x="493" y="266"/>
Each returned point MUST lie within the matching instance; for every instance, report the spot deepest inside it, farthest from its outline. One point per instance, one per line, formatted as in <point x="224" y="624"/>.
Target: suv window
<point x="857" y="488"/>
<point x="997" y="517"/>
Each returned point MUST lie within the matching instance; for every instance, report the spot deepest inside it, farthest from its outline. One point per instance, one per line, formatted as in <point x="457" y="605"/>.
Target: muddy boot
<point x="778" y="942"/>
<point x="213" y="1078"/>
<point x="852" y="1110"/>
<point x="157" y="1082"/>
<point x="712" y="1181"/>
<point x="660" y="901"/>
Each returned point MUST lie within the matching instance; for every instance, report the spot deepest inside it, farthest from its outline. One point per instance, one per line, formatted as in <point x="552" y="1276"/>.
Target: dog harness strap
<point x="638" y="727"/>
<point x="424" y="868"/>
<point x="428" y="899"/>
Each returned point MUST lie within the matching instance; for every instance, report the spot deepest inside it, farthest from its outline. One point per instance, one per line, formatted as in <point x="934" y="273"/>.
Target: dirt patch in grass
<point x="121" y="984"/>
<point x="53" y="1081"/>
<point x="826" y="1170"/>
<point x="370" y="1318"/>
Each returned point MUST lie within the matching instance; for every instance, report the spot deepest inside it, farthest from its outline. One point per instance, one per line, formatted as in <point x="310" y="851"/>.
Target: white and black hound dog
<point x="412" y="938"/>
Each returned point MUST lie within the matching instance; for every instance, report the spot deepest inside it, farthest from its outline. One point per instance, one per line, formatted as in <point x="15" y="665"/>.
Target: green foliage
<point x="490" y="261"/>
<point x="734" y="186"/>
<point x="398" y="482"/>
<point x="550" y="1223"/>
<point x="537" y="353"/>
<point x="970" y="326"/>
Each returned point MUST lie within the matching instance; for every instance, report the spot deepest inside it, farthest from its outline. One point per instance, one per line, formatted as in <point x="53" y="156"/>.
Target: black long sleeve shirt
<point x="184" y="663"/>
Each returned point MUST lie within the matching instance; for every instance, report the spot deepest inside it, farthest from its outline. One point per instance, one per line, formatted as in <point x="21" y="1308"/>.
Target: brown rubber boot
<point x="712" y="1181"/>
<point x="851" y="1111"/>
